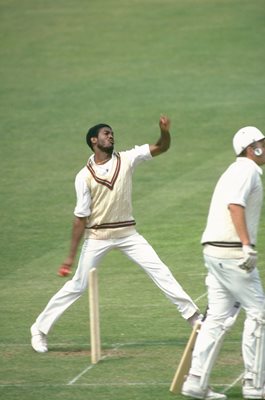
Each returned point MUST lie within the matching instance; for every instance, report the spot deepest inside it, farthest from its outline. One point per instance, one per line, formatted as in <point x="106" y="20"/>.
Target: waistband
<point x="226" y="244"/>
<point x="113" y="225"/>
<point x="222" y="251"/>
<point x="110" y="233"/>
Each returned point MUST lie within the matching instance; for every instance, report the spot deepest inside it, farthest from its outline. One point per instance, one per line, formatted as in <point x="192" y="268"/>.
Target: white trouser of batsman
<point x="227" y="283"/>
<point x="259" y="363"/>
<point x="226" y="326"/>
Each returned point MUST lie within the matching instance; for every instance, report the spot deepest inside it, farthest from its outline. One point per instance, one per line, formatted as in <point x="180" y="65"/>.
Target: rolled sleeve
<point x="139" y="154"/>
<point x="83" y="198"/>
<point x="240" y="188"/>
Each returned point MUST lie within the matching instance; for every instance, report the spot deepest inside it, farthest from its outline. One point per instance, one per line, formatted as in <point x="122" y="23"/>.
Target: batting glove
<point x="250" y="258"/>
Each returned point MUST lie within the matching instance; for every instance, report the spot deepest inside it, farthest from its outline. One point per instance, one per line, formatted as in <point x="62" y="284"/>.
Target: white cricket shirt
<point x="240" y="184"/>
<point x="83" y="199"/>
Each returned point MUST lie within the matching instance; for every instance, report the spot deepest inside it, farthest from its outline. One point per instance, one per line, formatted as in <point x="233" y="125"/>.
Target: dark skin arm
<point x="78" y="229"/>
<point x="163" y="142"/>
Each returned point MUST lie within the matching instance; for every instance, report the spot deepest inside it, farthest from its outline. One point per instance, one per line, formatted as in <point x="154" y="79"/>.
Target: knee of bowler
<point x="76" y="286"/>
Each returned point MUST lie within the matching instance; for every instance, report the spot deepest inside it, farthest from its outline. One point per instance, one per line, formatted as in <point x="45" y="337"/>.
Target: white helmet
<point x="245" y="136"/>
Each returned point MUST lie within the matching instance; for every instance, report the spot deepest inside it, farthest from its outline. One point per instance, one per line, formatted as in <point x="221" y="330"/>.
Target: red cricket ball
<point x="64" y="270"/>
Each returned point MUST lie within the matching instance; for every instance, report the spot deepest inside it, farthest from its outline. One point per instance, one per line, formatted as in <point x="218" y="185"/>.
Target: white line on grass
<point x="102" y="384"/>
<point x="81" y="374"/>
<point x="91" y="366"/>
<point x="112" y="347"/>
<point x="200" y="297"/>
<point x="234" y="382"/>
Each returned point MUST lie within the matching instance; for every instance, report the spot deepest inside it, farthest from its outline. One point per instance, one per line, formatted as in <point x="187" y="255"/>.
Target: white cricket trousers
<point x="227" y="283"/>
<point x="138" y="250"/>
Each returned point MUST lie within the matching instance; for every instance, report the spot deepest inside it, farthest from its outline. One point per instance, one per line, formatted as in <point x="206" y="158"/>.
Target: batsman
<point x="233" y="280"/>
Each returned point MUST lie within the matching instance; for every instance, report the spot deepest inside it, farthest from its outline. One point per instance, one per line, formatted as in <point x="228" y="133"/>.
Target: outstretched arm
<point x="163" y="142"/>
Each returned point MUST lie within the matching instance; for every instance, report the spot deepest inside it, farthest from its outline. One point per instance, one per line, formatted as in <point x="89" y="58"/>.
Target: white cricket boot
<point x="38" y="340"/>
<point x="250" y="392"/>
<point x="191" y="388"/>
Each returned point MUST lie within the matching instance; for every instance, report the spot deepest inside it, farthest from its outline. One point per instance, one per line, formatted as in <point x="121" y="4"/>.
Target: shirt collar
<point x="91" y="159"/>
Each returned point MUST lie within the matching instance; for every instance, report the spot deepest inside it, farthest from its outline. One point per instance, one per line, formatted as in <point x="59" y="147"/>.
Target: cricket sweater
<point x="111" y="201"/>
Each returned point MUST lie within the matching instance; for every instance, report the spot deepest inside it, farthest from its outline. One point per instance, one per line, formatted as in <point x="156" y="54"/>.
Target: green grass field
<point x="66" y="65"/>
